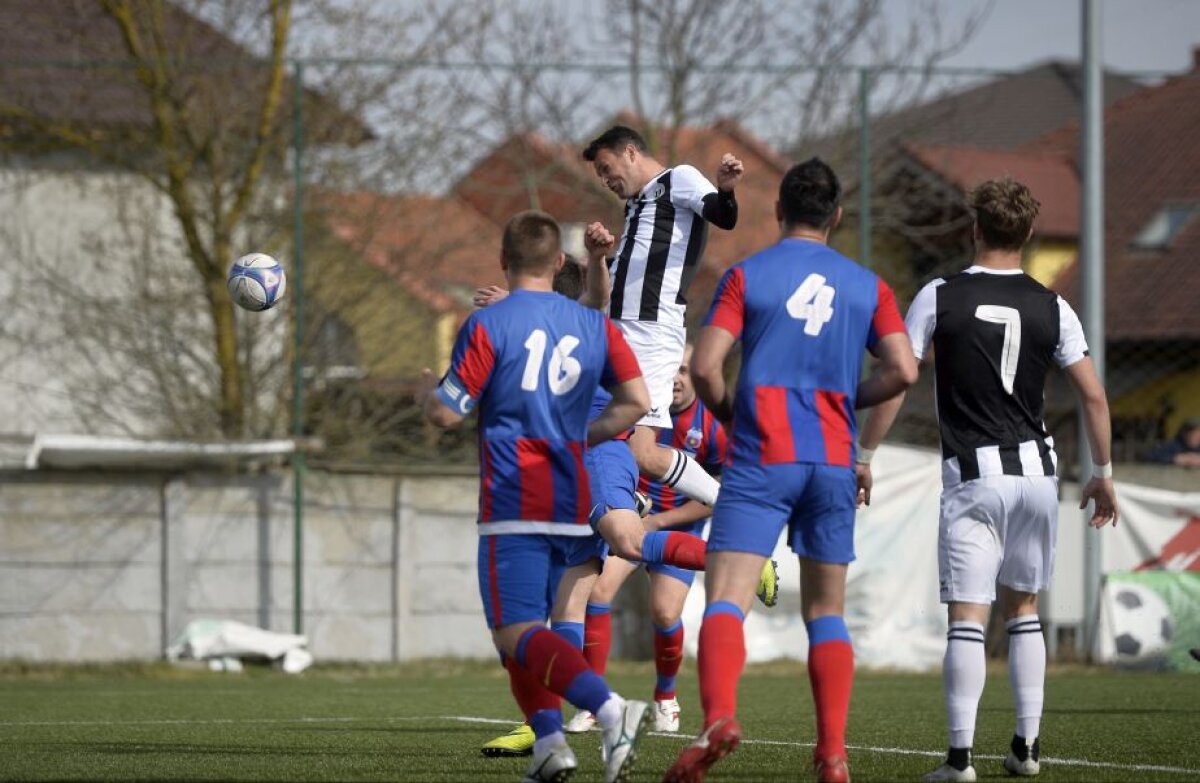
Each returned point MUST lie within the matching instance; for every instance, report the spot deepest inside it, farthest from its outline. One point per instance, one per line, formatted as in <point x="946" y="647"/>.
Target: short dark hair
<point x="531" y="242"/>
<point x="1004" y="211"/>
<point x="615" y="139"/>
<point x="809" y="194"/>
<point x="568" y="281"/>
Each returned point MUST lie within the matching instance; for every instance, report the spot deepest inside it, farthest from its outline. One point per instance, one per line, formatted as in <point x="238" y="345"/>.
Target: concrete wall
<point x="102" y="566"/>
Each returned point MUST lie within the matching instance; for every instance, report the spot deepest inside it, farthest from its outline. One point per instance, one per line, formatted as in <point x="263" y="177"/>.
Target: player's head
<point x="683" y="392"/>
<point x="809" y="198"/>
<point x="568" y="281"/>
<point x="531" y="245"/>
<point x="1004" y="213"/>
<point x="618" y="155"/>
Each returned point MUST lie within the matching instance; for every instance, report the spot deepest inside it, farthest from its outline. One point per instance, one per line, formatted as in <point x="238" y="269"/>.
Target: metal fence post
<point x="864" y="167"/>
<point x="298" y="462"/>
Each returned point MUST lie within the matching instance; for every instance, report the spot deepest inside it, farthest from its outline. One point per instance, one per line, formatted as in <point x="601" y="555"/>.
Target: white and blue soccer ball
<point x="256" y="282"/>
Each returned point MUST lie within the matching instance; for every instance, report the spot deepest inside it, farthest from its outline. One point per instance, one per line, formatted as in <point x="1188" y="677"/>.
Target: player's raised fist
<point x="598" y="240"/>
<point x="729" y="173"/>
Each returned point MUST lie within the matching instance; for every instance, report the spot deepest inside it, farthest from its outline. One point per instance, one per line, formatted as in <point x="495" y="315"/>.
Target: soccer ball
<point x="1141" y="624"/>
<point x="256" y="281"/>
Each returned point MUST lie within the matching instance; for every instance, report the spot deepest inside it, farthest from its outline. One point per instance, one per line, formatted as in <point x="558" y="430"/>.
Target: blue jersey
<point x="532" y="362"/>
<point x="804" y="313"/>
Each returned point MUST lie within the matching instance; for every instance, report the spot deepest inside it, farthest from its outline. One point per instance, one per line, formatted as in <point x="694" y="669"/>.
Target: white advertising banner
<point x="892" y="606"/>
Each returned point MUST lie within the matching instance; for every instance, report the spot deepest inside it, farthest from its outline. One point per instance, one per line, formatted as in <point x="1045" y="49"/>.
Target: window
<point x="1164" y="226"/>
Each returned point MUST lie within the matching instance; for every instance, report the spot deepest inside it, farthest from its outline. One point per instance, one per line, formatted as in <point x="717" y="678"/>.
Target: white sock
<point x="964" y="670"/>
<point x="1027" y="672"/>
<point x="686" y="475"/>
<point x="542" y="744"/>
<point x="609" y="714"/>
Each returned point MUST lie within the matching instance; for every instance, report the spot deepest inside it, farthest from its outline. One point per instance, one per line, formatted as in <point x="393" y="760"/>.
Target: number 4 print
<point x="563" y="372"/>
<point x="812" y="303"/>
<point x="1011" y="352"/>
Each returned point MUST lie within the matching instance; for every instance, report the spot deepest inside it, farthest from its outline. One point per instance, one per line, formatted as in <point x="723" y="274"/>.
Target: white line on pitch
<point x="509" y="721"/>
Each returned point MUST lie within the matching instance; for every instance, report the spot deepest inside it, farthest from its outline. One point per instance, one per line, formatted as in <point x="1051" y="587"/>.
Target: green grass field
<point x="425" y="723"/>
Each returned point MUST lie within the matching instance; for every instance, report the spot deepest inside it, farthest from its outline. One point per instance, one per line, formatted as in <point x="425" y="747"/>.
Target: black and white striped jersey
<point x="994" y="334"/>
<point x="660" y="249"/>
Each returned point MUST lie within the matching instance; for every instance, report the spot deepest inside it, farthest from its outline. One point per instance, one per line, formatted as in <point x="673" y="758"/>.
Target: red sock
<point x="597" y="637"/>
<point x="668" y="656"/>
<point x="683" y="550"/>
<point x="530" y="695"/>
<point x="560" y="668"/>
<point x="722" y="657"/>
<point x="831" y="674"/>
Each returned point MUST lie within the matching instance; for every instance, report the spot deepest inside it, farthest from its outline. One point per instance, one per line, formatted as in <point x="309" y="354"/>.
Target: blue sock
<point x="725" y="607"/>
<point x="572" y="632"/>
<point x="546" y="722"/>
<point x="588" y="691"/>
<point x="829" y="628"/>
<point x="598" y="608"/>
<point x="652" y="547"/>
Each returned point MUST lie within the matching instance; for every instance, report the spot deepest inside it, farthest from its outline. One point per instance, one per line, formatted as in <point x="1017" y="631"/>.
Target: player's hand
<point x="651" y="523"/>
<point x="489" y="295"/>
<point x="863" y="475"/>
<point x="426" y="383"/>
<point x="729" y="173"/>
<point x="598" y="240"/>
<point x="1102" y="492"/>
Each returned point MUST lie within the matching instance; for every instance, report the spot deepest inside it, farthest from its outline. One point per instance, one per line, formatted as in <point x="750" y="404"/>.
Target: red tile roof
<point x="1151" y="160"/>
<point x="439" y="249"/>
<point x="1050" y="177"/>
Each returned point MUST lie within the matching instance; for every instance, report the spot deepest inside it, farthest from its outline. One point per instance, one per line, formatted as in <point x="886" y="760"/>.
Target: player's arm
<point x="448" y="401"/>
<point x="708" y="371"/>
<point x="691" y="511"/>
<point x="1094" y="401"/>
<point x="598" y="242"/>
<point x="623" y="378"/>
<point x="630" y="402"/>
<point x="717" y="204"/>
<point x="889" y="341"/>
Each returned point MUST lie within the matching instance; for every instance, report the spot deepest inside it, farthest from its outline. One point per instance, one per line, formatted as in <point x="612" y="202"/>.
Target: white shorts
<point x="659" y="351"/>
<point x="997" y="529"/>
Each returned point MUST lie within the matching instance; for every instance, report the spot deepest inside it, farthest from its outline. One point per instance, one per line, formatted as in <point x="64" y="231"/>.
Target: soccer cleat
<point x="618" y="745"/>
<point x="768" y="583"/>
<point x="831" y="769"/>
<point x="555" y="765"/>
<point x="518" y="742"/>
<point x="644" y="504"/>
<point x="582" y="721"/>
<point x="948" y="772"/>
<point x="714" y="743"/>
<point x="1022" y="759"/>
<point x="666" y="715"/>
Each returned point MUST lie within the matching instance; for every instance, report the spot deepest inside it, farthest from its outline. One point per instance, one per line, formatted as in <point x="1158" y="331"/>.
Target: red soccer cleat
<point x="831" y="769"/>
<point x="715" y="743"/>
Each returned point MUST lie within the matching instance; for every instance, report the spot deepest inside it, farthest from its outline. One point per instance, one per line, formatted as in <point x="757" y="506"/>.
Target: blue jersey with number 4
<point x="532" y="363"/>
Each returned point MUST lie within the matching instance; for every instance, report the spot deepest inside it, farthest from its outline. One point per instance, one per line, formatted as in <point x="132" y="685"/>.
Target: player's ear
<point x="778" y="213"/>
<point x="503" y="262"/>
<point x="835" y="221"/>
<point x="558" y="262"/>
<point x="976" y="234"/>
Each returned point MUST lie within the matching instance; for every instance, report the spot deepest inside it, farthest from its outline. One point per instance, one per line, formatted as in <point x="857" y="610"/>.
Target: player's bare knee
<point x="1015" y="603"/>
<point x="664" y="616"/>
<point x="961" y="612"/>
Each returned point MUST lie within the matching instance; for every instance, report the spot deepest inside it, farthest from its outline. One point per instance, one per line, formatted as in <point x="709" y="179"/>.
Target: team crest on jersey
<point x="694" y="436"/>
<point x="658" y="192"/>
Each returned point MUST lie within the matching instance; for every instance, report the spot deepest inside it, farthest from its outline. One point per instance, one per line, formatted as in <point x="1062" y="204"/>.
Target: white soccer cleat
<point x="618" y="746"/>
<point x="581" y="722"/>
<point x="1022" y="759"/>
<point x="947" y="772"/>
<point x="554" y="765"/>
<point x="666" y="715"/>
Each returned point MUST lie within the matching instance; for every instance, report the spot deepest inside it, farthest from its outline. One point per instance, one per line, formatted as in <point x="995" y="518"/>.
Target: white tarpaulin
<point x="1158" y="529"/>
<point x="892" y="607"/>
<point x="226" y="639"/>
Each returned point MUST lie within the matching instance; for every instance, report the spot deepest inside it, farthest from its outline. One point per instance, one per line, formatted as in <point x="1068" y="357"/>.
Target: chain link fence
<point x="384" y="186"/>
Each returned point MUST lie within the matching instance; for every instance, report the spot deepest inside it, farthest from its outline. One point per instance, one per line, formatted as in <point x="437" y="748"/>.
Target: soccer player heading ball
<point x="646" y="274"/>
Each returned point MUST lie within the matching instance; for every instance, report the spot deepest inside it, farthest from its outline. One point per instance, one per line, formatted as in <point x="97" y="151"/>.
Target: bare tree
<point x="780" y="68"/>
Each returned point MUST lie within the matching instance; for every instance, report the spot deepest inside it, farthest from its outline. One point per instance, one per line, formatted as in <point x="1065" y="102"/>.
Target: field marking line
<point x="512" y="721"/>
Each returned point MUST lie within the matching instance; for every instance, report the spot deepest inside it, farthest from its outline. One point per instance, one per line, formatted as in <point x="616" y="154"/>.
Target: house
<point x="106" y="329"/>
<point x="1152" y="238"/>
